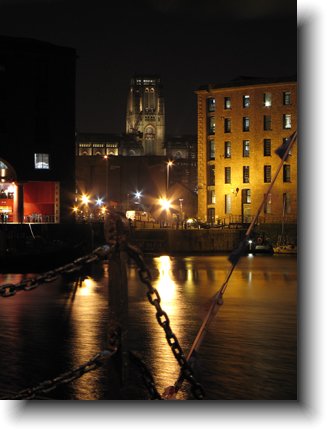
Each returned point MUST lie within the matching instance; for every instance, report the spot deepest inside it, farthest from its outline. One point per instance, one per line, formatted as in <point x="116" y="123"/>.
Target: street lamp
<point x="137" y="199"/>
<point x="85" y="199"/>
<point x="181" y="207"/>
<point x="165" y="205"/>
<point x="169" y="164"/>
<point x="99" y="201"/>
<point x="106" y="158"/>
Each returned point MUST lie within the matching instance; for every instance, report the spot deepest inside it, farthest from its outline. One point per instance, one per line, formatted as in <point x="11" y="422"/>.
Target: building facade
<point x="107" y="171"/>
<point x="182" y="151"/>
<point x="37" y="126"/>
<point x="145" y="115"/>
<point x="97" y="144"/>
<point x="240" y="125"/>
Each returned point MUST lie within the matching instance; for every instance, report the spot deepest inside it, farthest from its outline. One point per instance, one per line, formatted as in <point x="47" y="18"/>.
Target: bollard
<point x="116" y="230"/>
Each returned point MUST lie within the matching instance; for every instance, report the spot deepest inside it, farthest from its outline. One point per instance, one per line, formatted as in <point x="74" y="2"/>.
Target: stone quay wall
<point x="90" y="235"/>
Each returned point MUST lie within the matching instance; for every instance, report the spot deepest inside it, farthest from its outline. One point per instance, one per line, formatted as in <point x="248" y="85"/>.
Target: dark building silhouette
<point x="182" y="150"/>
<point x="37" y="130"/>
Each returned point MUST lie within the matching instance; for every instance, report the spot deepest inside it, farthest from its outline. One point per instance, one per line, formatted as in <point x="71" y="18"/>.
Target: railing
<point x="39" y="218"/>
<point x="232" y="220"/>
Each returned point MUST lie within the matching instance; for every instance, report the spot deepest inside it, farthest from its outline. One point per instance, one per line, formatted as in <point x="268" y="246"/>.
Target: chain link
<point x="163" y="321"/>
<point x="8" y="290"/>
<point x="146" y="376"/>
<point x="65" y="378"/>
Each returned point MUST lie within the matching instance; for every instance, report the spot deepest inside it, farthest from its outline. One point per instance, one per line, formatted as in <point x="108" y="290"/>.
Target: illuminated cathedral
<point x="145" y="116"/>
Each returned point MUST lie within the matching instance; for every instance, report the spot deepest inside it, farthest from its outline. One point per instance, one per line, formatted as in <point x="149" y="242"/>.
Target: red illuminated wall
<point x="39" y="198"/>
<point x="6" y="206"/>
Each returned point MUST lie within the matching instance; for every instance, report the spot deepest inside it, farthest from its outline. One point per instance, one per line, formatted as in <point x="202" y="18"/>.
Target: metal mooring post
<point x="116" y="230"/>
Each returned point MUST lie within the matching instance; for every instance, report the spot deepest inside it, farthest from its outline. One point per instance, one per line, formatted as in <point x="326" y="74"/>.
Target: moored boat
<point x="260" y="245"/>
<point x="285" y="249"/>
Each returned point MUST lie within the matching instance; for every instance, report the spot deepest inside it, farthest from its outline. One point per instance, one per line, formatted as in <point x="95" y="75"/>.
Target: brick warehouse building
<point x="37" y="130"/>
<point x="240" y="125"/>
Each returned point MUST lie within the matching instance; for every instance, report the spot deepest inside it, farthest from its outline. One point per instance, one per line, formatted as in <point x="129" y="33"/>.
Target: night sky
<point x="187" y="46"/>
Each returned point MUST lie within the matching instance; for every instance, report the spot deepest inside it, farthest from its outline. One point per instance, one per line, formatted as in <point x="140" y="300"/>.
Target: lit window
<point x="246" y="196"/>
<point x="267" y="207"/>
<point x="211" y="197"/>
<point x="211" y="150"/>
<point x="246" y="101"/>
<point x="3" y="165"/>
<point x="267" y="99"/>
<point x="228" y="204"/>
<point x="286" y="97"/>
<point x="246" y="174"/>
<point x="246" y="123"/>
<point x="227" y="103"/>
<point x="228" y="149"/>
<point x="211" y="125"/>
<point x="211" y="104"/>
<point x="41" y="161"/>
<point x="287" y="121"/>
<point x="246" y="148"/>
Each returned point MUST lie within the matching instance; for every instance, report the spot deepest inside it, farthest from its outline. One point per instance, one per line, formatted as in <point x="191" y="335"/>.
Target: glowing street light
<point x="99" y="201"/>
<point x="85" y="199"/>
<point x="165" y="204"/>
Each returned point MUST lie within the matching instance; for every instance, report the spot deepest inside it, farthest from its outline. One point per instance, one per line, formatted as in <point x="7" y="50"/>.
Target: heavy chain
<point x="67" y="377"/>
<point x="8" y="290"/>
<point x="163" y="320"/>
<point x="146" y="376"/>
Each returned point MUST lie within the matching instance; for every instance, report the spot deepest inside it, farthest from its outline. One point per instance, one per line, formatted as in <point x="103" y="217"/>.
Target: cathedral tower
<point x="145" y="118"/>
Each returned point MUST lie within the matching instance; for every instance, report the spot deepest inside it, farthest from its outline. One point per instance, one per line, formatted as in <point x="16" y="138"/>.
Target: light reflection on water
<point x="248" y="353"/>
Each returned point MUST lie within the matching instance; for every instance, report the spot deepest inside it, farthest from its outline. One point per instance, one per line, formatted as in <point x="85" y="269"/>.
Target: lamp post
<point x="106" y="158"/>
<point x="181" y="207"/>
<point x="165" y="205"/>
<point x="85" y="199"/>
<point x="137" y="201"/>
<point x="169" y="164"/>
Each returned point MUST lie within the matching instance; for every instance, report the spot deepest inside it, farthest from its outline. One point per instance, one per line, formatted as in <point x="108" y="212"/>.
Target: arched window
<point x="146" y="99"/>
<point x="152" y="101"/>
<point x="149" y="133"/>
